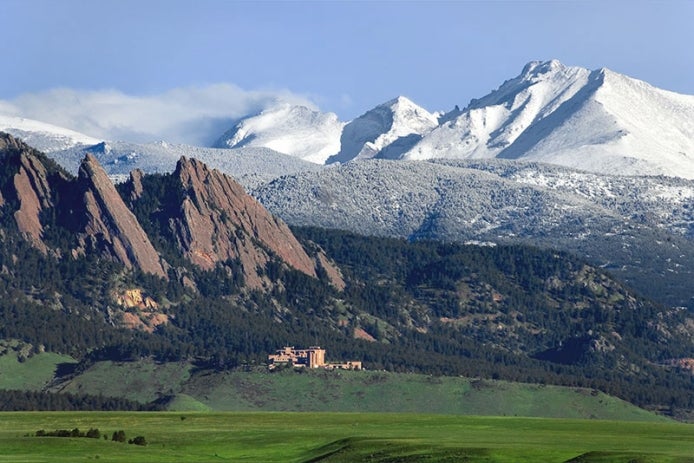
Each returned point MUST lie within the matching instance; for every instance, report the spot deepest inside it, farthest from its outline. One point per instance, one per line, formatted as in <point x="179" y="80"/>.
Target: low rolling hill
<point x="182" y="387"/>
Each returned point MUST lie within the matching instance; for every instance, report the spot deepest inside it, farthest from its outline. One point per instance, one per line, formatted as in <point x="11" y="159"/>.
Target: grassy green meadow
<point x="344" y="416"/>
<point x="344" y="391"/>
<point x="341" y="437"/>
<point x="31" y="374"/>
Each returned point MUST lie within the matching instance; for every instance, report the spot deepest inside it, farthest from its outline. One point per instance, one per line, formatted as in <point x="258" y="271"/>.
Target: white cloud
<point x="193" y="115"/>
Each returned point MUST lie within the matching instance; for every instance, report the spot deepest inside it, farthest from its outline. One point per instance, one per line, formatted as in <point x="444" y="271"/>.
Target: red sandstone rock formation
<point x="333" y="272"/>
<point x="220" y="221"/>
<point x="216" y="220"/>
<point x="34" y="195"/>
<point x="111" y="226"/>
<point x="30" y="186"/>
<point x="136" y="184"/>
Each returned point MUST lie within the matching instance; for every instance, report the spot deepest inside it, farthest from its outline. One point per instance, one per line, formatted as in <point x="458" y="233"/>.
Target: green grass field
<point x="341" y="437"/>
<point x="369" y="391"/>
<point x="31" y="374"/>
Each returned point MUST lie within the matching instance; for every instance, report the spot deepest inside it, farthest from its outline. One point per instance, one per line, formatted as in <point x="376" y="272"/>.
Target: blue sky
<point x="345" y="57"/>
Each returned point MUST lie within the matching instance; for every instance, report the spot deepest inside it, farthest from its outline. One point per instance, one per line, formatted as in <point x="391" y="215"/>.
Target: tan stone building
<point x="313" y="357"/>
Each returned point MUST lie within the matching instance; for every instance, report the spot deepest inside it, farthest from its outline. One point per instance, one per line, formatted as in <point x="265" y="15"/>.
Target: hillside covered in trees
<point x="225" y="283"/>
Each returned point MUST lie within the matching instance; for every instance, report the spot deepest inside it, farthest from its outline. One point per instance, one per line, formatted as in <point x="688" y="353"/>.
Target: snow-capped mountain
<point x="599" y="121"/>
<point x="43" y="136"/>
<point x="384" y="132"/>
<point x="491" y="124"/>
<point x="290" y="129"/>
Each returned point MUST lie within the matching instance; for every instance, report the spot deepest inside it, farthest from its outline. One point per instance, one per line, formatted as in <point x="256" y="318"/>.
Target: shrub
<point x="139" y="440"/>
<point x="118" y="436"/>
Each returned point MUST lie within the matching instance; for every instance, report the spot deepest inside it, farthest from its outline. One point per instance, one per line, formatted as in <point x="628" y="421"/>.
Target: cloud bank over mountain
<point x="191" y="115"/>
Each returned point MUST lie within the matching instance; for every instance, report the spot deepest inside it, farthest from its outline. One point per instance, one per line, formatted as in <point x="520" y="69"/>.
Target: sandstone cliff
<point x="110" y="226"/>
<point x="28" y="186"/>
<point x="219" y="221"/>
<point x="206" y="215"/>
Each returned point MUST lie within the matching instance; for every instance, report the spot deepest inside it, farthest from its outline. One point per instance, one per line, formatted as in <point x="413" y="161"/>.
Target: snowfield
<point x="289" y="129"/>
<point x="42" y="136"/>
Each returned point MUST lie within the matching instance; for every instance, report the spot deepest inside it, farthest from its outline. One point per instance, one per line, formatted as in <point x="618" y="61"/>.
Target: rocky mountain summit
<point x="26" y="186"/>
<point x="212" y="220"/>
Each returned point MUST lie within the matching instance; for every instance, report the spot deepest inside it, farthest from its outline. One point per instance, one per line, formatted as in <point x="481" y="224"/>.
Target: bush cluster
<point x="93" y="433"/>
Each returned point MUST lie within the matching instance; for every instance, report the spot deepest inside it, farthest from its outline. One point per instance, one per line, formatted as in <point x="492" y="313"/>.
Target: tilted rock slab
<point x="31" y="188"/>
<point x="111" y="226"/>
<point x="219" y="221"/>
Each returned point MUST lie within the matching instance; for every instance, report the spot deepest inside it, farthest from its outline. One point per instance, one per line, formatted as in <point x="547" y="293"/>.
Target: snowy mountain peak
<point x="399" y="102"/>
<point x="290" y="129"/>
<point x="537" y="68"/>
<point x="386" y="131"/>
<point x="544" y="80"/>
<point x="600" y="121"/>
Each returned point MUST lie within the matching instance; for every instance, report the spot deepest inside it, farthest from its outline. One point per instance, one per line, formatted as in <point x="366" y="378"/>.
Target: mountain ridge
<point x="592" y="120"/>
<point x="505" y="311"/>
<point x="597" y="120"/>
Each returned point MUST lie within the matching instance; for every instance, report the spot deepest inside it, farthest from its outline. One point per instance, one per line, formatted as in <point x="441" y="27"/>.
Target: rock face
<point x="34" y="195"/>
<point x="28" y="186"/>
<point x="219" y="221"/>
<point x="111" y="226"/>
<point x="208" y="217"/>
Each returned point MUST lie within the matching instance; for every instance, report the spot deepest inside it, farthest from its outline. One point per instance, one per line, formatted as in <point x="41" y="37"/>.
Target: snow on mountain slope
<point x="289" y="129"/>
<point x="43" y="136"/>
<point x="617" y="124"/>
<point x="251" y="166"/>
<point x="478" y="199"/>
<point x="489" y="125"/>
<point x="640" y="228"/>
<point x="599" y="121"/>
<point x="385" y="132"/>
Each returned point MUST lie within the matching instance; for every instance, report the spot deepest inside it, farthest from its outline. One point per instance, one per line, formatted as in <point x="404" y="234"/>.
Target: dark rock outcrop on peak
<point x="219" y="221"/>
<point x="110" y="226"/>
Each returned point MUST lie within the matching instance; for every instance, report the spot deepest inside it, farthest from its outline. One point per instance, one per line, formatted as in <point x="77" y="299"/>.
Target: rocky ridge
<point x="214" y="221"/>
<point x="28" y="187"/>
<point x="219" y="221"/>
<point x="111" y="226"/>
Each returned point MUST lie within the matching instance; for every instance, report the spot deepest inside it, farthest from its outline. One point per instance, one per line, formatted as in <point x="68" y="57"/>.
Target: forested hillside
<point x="187" y="267"/>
